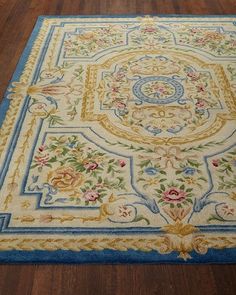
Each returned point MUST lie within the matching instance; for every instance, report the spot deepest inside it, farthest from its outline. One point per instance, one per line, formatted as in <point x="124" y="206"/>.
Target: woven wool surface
<point x="117" y="142"/>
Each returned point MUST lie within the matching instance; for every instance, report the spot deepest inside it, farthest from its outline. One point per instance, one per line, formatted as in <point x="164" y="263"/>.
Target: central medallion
<point x="155" y="97"/>
<point x="158" y="90"/>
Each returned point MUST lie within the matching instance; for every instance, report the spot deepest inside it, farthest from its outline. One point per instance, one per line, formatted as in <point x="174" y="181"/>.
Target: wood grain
<point x="17" y="18"/>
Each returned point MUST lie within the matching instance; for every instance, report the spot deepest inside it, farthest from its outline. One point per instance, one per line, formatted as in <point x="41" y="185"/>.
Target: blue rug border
<point x="213" y="256"/>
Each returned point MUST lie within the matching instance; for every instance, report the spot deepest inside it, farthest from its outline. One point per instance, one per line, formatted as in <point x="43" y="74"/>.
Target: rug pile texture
<point x="117" y="142"/>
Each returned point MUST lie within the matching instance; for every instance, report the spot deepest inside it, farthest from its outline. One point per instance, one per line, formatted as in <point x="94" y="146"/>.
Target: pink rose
<point x="201" y="40"/>
<point x="174" y="195"/>
<point x="160" y="89"/>
<point x="120" y="105"/>
<point x="194" y="30"/>
<point x="215" y="162"/>
<point x="91" y="165"/>
<point x="42" y="148"/>
<point x="201" y="88"/>
<point x="150" y="30"/>
<point x="115" y="89"/>
<point x="42" y="160"/>
<point x="193" y="75"/>
<point x="200" y="103"/>
<point x="91" y="196"/>
<point x="122" y="163"/>
<point x="40" y="106"/>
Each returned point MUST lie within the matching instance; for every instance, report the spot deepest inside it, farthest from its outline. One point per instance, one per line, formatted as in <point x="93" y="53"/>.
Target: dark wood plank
<point x="17" y="18"/>
<point x="117" y="279"/>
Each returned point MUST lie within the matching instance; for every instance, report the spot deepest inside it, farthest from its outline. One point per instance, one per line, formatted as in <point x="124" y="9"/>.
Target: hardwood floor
<point x="17" y="18"/>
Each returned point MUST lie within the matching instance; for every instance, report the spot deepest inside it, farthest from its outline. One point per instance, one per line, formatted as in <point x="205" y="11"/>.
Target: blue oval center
<point x="157" y="97"/>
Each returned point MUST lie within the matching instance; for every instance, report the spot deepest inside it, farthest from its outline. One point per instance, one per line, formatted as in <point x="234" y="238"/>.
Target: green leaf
<point x="178" y="172"/>
<point x="145" y="163"/>
<point x="193" y="163"/>
<point x="65" y="151"/>
<point x="139" y="218"/>
<point x="53" y="159"/>
<point x="79" y="167"/>
<point x="141" y="179"/>
<point x="89" y="182"/>
<point x="202" y="178"/>
<point x="215" y="217"/>
<point x="189" y="195"/>
<point x="109" y="169"/>
<point x="103" y="195"/>
<point x="162" y="187"/>
<point x="163" y="179"/>
<point x="99" y="179"/>
<point x="162" y="172"/>
<point x="33" y="166"/>
<point x="182" y="187"/>
<point x="53" y="120"/>
<point x="189" y="190"/>
<point x="180" y="179"/>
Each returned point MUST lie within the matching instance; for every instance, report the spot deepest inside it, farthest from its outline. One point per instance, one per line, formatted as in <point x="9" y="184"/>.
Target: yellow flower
<point x="190" y="180"/>
<point x="152" y="181"/>
<point x="233" y="196"/>
<point x="214" y="36"/>
<point x="58" y="150"/>
<point x="99" y="159"/>
<point x="25" y="204"/>
<point x="86" y="36"/>
<point x="65" y="179"/>
<point x="62" y="139"/>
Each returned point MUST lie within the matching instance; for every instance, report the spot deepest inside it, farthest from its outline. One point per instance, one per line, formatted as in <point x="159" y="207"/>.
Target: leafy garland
<point x="199" y="147"/>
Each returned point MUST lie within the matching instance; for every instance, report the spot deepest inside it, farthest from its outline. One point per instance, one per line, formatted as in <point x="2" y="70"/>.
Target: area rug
<point x="117" y="142"/>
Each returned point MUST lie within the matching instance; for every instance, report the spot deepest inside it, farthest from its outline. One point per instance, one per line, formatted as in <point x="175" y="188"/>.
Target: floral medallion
<point x="159" y="97"/>
<point x="158" y="90"/>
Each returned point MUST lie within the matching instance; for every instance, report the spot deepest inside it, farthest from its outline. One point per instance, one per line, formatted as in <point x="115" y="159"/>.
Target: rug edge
<point x="137" y="15"/>
<point x="114" y="257"/>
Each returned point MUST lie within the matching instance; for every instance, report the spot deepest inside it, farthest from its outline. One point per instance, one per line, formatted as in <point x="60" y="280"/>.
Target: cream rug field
<point x="117" y="142"/>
